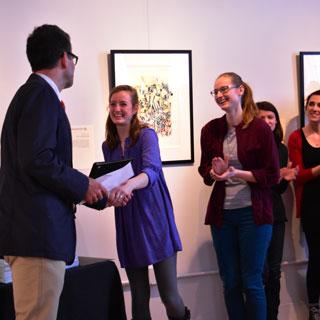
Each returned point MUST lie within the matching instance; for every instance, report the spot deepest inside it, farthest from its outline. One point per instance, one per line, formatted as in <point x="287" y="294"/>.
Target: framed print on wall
<point x="163" y="79"/>
<point x="309" y="78"/>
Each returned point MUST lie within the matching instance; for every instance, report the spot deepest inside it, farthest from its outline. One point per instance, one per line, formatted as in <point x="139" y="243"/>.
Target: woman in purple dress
<point x="146" y="230"/>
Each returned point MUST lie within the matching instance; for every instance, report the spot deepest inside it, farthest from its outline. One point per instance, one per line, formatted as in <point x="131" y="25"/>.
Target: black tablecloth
<point x="92" y="291"/>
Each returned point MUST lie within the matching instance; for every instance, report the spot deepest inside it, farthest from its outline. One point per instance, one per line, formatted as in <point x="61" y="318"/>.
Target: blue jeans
<point x="241" y="248"/>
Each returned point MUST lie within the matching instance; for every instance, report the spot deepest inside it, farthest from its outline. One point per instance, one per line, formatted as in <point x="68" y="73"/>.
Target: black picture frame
<point x="163" y="79"/>
<point x="309" y="78"/>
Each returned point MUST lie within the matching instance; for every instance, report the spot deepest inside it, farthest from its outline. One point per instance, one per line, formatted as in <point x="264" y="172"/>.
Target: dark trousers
<point x="166" y="276"/>
<point x="313" y="270"/>
<point x="272" y="272"/>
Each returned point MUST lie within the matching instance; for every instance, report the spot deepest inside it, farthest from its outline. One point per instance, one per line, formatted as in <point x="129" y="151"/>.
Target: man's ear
<point x="63" y="60"/>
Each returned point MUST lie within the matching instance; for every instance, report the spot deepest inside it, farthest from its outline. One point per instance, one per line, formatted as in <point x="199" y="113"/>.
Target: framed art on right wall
<point x="309" y="78"/>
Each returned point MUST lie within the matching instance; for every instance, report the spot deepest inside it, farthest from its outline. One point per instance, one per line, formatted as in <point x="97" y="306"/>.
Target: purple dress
<point x="146" y="230"/>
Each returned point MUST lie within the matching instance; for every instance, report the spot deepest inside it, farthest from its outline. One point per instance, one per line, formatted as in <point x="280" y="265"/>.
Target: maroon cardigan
<point x="257" y="152"/>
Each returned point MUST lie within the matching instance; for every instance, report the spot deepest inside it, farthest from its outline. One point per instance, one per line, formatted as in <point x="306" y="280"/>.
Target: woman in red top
<point x="304" y="151"/>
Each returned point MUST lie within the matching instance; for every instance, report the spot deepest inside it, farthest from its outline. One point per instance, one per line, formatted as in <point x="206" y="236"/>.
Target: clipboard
<point x="101" y="168"/>
<point x="110" y="175"/>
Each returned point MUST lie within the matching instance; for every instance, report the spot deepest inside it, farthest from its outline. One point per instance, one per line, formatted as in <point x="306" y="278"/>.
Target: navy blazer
<point x="38" y="186"/>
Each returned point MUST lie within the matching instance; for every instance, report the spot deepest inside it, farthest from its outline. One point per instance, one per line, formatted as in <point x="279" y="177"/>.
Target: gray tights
<point x="166" y="276"/>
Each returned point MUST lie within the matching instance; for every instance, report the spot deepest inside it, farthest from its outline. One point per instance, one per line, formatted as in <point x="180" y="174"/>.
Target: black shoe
<point x="314" y="313"/>
<point x="187" y="315"/>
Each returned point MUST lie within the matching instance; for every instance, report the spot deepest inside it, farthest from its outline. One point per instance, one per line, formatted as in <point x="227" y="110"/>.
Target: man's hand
<point x="95" y="192"/>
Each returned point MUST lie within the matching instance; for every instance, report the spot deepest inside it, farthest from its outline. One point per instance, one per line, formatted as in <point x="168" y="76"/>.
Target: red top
<point x="304" y="175"/>
<point x="257" y="152"/>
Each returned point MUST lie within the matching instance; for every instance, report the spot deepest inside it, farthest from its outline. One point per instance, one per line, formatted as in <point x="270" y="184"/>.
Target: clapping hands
<point x="288" y="173"/>
<point x="221" y="170"/>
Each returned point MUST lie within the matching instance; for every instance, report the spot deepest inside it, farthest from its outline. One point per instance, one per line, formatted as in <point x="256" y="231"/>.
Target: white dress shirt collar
<point x="51" y="83"/>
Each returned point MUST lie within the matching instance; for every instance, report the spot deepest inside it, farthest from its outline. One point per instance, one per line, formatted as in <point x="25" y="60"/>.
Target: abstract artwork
<point x="163" y="81"/>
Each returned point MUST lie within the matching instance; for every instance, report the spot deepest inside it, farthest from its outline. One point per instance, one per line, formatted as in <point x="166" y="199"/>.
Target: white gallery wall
<point x="257" y="39"/>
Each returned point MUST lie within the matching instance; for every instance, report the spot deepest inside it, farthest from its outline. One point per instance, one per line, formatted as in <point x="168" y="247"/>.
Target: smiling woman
<point x="228" y="90"/>
<point x="145" y="226"/>
<point x="121" y="109"/>
<point x="304" y="152"/>
<point x="240" y="208"/>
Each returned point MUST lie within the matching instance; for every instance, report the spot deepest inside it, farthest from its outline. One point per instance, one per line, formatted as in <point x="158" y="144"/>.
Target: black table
<point x="92" y="291"/>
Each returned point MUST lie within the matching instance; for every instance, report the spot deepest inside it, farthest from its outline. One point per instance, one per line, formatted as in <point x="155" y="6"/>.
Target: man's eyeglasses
<point x="222" y="90"/>
<point x="73" y="56"/>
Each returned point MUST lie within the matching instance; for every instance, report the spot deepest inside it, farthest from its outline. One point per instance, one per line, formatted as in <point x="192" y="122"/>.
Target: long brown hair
<point x="112" y="138"/>
<point x="249" y="108"/>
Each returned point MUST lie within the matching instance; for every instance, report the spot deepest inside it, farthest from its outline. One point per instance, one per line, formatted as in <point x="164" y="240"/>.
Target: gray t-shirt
<point x="238" y="193"/>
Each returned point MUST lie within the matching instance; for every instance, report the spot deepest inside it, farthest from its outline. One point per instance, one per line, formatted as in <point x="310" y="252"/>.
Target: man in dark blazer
<point x="38" y="186"/>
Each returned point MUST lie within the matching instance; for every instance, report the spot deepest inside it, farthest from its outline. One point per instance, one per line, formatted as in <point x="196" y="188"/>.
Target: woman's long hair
<point x="249" y="108"/>
<point x="278" y="131"/>
<point x="112" y="138"/>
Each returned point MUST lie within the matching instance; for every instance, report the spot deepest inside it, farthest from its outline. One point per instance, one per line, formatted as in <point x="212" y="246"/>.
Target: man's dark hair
<point x="45" y="46"/>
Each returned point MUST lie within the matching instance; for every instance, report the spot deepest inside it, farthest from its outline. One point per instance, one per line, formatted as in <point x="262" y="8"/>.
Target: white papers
<point x="115" y="178"/>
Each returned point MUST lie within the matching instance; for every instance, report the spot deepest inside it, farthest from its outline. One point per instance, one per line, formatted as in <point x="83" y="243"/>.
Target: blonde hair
<point x="249" y="107"/>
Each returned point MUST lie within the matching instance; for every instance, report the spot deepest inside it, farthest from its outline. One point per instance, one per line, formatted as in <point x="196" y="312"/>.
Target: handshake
<point x="98" y="197"/>
<point x="109" y="184"/>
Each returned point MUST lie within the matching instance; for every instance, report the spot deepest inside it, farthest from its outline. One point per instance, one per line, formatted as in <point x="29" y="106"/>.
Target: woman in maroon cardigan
<point x="304" y="151"/>
<point x="239" y="154"/>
